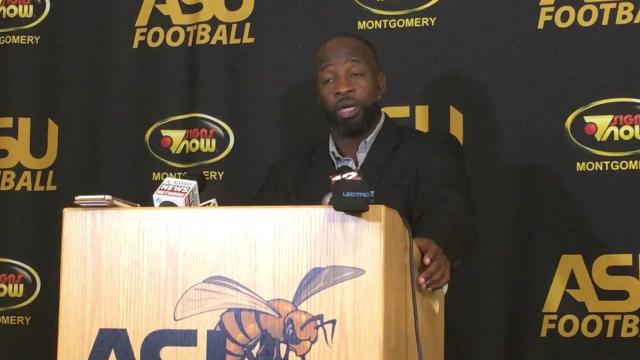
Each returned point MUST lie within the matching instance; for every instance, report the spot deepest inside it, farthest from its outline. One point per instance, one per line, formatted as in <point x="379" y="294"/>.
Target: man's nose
<point x="343" y="86"/>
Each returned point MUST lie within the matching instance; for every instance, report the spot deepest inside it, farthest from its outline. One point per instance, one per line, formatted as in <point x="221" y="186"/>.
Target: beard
<point x="356" y="126"/>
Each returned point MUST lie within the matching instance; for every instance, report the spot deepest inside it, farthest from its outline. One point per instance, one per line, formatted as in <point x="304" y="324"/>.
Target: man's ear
<point x="382" y="84"/>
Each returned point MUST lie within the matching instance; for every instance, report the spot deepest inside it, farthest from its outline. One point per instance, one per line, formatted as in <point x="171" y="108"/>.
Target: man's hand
<point x="437" y="270"/>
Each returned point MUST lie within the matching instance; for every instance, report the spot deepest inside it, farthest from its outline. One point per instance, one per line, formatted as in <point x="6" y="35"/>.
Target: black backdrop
<point x="508" y="75"/>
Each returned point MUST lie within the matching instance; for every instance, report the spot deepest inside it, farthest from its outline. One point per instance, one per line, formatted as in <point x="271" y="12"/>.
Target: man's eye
<point x="328" y="81"/>
<point x="356" y="75"/>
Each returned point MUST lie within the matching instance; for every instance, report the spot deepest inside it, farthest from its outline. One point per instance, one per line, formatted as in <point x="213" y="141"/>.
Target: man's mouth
<point x="348" y="112"/>
<point x="347" y="109"/>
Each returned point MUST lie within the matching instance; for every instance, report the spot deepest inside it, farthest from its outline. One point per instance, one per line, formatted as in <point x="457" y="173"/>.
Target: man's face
<point x="349" y="86"/>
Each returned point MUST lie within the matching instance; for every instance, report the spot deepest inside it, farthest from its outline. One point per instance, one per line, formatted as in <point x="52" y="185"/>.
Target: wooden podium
<point x="194" y="283"/>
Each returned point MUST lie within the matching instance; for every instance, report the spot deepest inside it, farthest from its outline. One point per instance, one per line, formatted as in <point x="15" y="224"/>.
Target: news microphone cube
<point x="176" y="192"/>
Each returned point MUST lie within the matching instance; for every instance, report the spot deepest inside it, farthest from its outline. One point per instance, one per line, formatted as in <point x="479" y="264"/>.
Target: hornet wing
<point x="318" y="279"/>
<point x="219" y="293"/>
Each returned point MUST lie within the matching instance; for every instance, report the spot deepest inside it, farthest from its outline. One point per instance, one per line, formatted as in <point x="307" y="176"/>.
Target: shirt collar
<point x="361" y="152"/>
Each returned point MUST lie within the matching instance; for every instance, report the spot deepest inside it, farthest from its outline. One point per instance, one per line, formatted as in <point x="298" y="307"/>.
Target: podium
<point x="241" y="282"/>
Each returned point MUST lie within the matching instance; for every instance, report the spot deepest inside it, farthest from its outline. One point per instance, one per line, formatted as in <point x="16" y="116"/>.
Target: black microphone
<point x="342" y="172"/>
<point x="350" y="193"/>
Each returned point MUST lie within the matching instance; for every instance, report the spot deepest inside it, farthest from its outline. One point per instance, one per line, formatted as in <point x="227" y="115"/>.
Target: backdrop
<point x="111" y="97"/>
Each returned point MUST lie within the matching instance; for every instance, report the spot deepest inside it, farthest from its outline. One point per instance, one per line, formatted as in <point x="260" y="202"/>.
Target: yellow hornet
<point x="249" y="321"/>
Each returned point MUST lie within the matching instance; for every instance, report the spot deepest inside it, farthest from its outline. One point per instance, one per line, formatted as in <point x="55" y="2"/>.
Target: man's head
<point x="350" y="84"/>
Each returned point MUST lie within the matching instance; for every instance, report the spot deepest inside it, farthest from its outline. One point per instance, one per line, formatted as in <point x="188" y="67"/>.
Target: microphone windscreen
<point x="349" y="192"/>
<point x="351" y="196"/>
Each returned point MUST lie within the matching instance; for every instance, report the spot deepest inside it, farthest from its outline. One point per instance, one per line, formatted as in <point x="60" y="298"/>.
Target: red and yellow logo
<point x="22" y="14"/>
<point x="19" y="284"/>
<point x="609" y="127"/>
<point x="190" y="140"/>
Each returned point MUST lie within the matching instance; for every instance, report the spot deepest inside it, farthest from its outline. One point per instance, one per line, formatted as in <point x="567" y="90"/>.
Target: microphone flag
<point x="177" y="192"/>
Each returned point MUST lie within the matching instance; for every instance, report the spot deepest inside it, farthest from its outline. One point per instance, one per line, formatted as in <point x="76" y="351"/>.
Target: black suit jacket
<point x="421" y="175"/>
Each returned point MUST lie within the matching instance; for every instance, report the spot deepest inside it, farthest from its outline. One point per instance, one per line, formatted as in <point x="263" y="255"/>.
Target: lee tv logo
<point x="193" y="23"/>
<point x="608" y="312"/>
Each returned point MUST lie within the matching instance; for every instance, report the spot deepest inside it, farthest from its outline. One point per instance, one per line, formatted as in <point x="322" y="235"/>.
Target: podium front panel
<point x="194" y="283"/>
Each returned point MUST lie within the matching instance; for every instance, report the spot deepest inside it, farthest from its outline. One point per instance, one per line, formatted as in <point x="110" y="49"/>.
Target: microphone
<point x="350" y="193"/>
<point x="342" y="172"/>
<point x="345" y="172"/>
<point x="176" y="192"/>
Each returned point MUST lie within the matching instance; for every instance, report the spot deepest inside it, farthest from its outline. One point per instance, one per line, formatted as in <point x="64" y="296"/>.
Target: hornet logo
<point x="255" y="328"/>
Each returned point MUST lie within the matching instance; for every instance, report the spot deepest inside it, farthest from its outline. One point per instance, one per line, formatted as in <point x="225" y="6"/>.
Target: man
<point x="422" y="176"/>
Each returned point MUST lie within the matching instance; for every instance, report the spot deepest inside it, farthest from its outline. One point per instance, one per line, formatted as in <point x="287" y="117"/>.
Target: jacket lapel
<point x="381" y="152"/>
<point x="320" y="168"/>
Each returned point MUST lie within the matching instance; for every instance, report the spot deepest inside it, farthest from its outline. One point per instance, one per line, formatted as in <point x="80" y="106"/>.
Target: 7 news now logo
<point x="22" y="14"/>
<point x="608" y="127"/>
